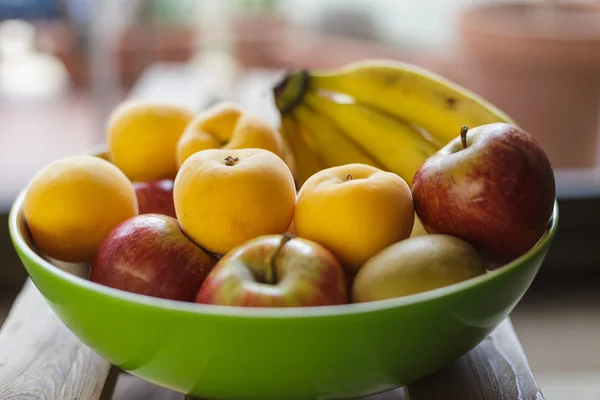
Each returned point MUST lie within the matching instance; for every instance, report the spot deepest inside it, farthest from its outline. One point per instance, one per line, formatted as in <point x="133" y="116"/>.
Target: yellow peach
<point x="72" y="203"/>
<point x="226" y="197"/>
<point x="354" y="210"/>
<point x="142" y="138"/>
<point x="227" y="126"/>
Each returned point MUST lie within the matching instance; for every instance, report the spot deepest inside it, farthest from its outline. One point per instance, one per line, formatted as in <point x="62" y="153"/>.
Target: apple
<point x="149" y="254"/>
<point x="415" y="265"/>
<point x="276" y="271"/>
<point x="155" y="197"/>
<point x="492" y="186"/>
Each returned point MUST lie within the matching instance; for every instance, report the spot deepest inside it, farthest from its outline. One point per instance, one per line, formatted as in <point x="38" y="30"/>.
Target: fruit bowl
<point x="336" y="352"/>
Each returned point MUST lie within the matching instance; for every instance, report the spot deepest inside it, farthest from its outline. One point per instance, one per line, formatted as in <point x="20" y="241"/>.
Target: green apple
<point x="416" y="265"/>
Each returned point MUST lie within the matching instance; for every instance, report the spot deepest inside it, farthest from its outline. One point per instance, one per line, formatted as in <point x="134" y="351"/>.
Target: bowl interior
<point x="77" y="273"/>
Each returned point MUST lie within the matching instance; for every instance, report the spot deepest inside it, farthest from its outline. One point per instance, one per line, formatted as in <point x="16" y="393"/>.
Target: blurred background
<point x="64" y="64"/>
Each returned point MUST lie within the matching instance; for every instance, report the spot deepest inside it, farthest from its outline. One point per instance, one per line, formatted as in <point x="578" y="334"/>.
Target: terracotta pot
<point x="257" y="37"/>
<point x="540" y="64"/>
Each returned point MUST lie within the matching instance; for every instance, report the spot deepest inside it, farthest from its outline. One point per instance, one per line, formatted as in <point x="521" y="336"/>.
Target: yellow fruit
<point x="142" y="138"/>
<point x="409" y="93"/>
<point x="303" y="161"/>
<point x="72" y="203"/>
<point x="354" y="210"/>
<point x="226" y="197"/>
<point x="226" y="126"/>
<point x="418" y="229"/>
<point x="287" y="155"/>
<point x="221" y="119"/>
<point x="381" y="141"/>
<point x="416" y="265"/>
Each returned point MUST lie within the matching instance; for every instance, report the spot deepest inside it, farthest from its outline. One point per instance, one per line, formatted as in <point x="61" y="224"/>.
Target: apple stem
<point x="463" y="136"/>
<point x="349" y="177"/>
<point x="231" y="161"/>
<point x="271" y="273"/>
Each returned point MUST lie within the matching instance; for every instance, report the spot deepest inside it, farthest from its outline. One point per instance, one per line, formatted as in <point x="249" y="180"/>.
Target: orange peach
<point x="226" y="197"/>
<point x="72" y="203"/>
<point x="142" y="138"/>
<point x="227" y="126"/>
<point x="354" y="210"/>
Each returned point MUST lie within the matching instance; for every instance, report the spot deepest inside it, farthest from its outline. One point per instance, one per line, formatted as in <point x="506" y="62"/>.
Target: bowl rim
<point x="265" y="312"/>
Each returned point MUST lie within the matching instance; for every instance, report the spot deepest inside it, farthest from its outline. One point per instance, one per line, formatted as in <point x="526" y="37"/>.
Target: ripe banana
<point x="287" y="153"/>
<point x="303" y="162"/>
<point x="409" y="93"/>
<point x="391" y="143"/>
<point x="333" y="146"/>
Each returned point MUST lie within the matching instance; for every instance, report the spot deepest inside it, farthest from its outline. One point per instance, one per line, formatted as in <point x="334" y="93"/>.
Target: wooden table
<point x="41" y="359"/>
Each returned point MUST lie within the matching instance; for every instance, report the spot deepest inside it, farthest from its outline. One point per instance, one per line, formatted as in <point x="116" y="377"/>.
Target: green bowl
<point x="331" y="352"/>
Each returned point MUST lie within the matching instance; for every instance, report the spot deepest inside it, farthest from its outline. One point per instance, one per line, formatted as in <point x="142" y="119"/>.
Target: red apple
<point x="155" y="197"/>
<point x="149" y="254"/>
<point x="492" y="186"/>
<point x="276" y="271"/>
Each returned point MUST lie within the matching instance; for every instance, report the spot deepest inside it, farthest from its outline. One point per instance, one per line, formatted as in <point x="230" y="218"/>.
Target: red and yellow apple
<point x="276" y="271"/>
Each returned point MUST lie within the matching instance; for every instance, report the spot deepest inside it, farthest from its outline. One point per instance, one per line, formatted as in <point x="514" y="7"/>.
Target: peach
<point x="354" y="210"/>
<point x="142" y="138"/>
<point x="227" y="126"/>
<point x="72" y="203"/>
<point x="226" y="197"/>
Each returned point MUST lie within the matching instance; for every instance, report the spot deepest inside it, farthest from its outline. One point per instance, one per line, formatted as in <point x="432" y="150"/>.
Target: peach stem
<point x="231" y="161"/>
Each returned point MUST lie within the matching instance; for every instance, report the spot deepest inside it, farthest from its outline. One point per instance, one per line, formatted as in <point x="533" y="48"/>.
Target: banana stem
<point x="290" y="91"/>
<point x="463" y="136"/>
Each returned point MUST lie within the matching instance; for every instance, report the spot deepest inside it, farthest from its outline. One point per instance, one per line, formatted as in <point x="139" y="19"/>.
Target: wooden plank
<point x="56" y="365"/>
<point x="130" y="387"/>
<point x="497" y="369"/>
<point x="396" y="394"/>
<point x="41" y="359"/>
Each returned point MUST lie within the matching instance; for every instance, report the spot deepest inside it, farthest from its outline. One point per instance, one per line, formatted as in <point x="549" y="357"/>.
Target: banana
<point x="407" y="92"/>
<point x="287" y="153"/>
<point x="303" y="162"/>
<point x="327" y="140"/>
<point x="394" y="145"/>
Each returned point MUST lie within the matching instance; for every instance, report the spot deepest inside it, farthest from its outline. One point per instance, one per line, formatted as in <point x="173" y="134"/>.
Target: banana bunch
<point x="387" y="114"/>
